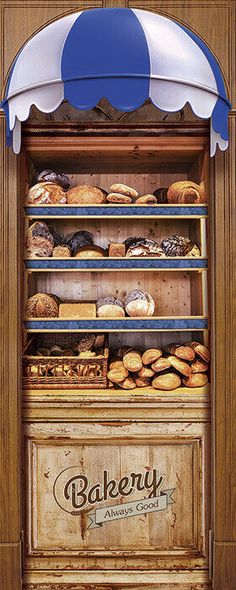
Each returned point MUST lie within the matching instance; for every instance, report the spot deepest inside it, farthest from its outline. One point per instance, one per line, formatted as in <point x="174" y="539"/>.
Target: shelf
<point x="116" y="393"/>
<point x="184" y="211"/>
<point x="96" y="264"/>
<point x="121" y="325"/>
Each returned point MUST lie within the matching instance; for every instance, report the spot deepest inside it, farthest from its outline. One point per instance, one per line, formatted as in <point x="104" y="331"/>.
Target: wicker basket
<point x="71" y="372"/>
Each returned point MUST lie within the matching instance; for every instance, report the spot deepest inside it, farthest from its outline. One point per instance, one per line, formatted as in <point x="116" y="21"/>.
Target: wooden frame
<point x="199" y="16"/>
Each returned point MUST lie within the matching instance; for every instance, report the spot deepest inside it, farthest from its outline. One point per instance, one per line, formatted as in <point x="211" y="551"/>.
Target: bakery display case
<point x="117" y="276"/>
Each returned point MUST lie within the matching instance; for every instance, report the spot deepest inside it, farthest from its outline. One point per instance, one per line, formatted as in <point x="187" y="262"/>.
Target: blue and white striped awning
<point x="123" y="55"/>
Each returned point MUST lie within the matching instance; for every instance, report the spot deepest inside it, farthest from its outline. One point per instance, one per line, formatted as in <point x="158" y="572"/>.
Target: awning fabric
<point x="125" y="55"/>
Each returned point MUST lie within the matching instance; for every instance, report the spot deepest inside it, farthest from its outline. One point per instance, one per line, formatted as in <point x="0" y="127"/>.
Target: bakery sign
<point x="73" y="492"/>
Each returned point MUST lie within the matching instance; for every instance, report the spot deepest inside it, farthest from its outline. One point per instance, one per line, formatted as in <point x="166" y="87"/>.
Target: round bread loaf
<point x="78" y="240"/>
<point x="50" y="176"/>
<point x="85" y="194"/>
<point x="123" y="189"/>
<point x="45" y="193"/>
<point x="161" y="364"/>
<point x="139" y="304"/>
<point x="186" y="192"/>
<point x="117" y="375"/>
<point x="151" y="355"/>
<point x="133" y="361"/>
<point x="42" y="305"/>
<point x="38" y="247"/>
<point x="110" y="307"/>
<point x="90" y="252"/>
<point x="180" y="366"/>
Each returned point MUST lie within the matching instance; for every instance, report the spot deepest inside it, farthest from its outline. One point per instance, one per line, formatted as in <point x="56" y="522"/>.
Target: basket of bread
<point x="65" y="361"/>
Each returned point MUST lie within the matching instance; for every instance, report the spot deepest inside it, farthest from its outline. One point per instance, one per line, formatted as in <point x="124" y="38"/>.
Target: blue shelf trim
<point x="125" y="210"/>
<point x="118" y="324"/>
<point x="113" y="264"/>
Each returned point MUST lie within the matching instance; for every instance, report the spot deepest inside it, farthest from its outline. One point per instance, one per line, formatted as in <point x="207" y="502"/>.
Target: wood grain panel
<point x="10" y="566"/>
<point x="225" y="574"/>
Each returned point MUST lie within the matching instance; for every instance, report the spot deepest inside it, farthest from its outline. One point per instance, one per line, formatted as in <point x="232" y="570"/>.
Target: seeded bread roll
<point x="55" y="177"/>
<point x="133" y="361"/>
<point x="45" y="193"/>
<point x="196" y="380"/>
<point x="166" y="382"/>
<point x="110" y="307"/>
<point x="61" y="252"/>
<point x="84" y="194"/>
<point x="42" y="305"/>
<point x="151" y="355"/>
<point x="186" y="191"/>
<point x="139" y="304"/>
<point x="123" y="189"/>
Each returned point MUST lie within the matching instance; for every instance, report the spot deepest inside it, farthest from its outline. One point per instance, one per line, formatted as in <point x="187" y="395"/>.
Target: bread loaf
<point x="166" y="382"/>
<point x="116" y="250"/>
<point x="128" y="383"/>
<point x="42" y="305"/>
<point x="180" y="365"/>
<point x="183" y="352"/>
<point x="151" y="355"/>
<point x="142" y="382"/>
<point x="77" y="310"/>
<point x="55" y="177"/>
<point x="186" y="192"/>
<point x="139" y="304"/>
<point x="38" y="247"/>
<point x="124" y="190"/>
<point x="110" y="307"/>
<point x="161" y="364"/>
<point x="146" y="373"/>
<point x="45" y="193"/>
<point x="61" y="252"/>
<point x="201" y="350"/>
<point x="84" y="194"/>
<point x="199" y="366"/>
<point x="146" y="200"/>
<point x="117" y="375"/>
<point x="118" y="198"/>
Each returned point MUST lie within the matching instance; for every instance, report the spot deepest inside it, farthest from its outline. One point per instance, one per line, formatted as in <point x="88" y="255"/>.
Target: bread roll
<point x="117" y="375"/>
<point x="55" y="177"/>
<point x="38" y="247"/>
<point x="61" y="252"/>
<point x="180" y="366"/>
<point x="196" y="380"/>
<point x="119" y="199"/>
<point x="201" y="350"/>
<point x="141" y="382"/>
<point x="146" y="373"/>
<point x="183" y="352"/>
<point x="110" y="307"/>
<point x="166" y="382"/>
<point x="45" y="193"/>
<point x="161" y="365"/>
<point x="117" y="365"/>
<point x="128" y="383"/>
<point x="199" y="366"/>
<point x="124" y="190"/>
<point x="116" y="250"/>
<point x="133" y="361"/>
<point x="146" y="199"/>
<point x="151" y="355"/>
<point x="186" y="192"/>
<point x="84" y="194"/>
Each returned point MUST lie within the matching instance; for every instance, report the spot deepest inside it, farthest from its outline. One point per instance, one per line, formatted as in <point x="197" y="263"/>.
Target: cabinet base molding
<point x="116" y="580"/>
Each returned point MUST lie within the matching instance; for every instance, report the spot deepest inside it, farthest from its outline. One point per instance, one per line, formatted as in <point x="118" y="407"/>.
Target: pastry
<point x="151" y="355"/>
<point x="181" y="351"/>
<point x="161" y="365"/>
<point x="146" y="199"/>
<point x="123" y="189"/>
<point x="90" y="252"/>
<point x="146" y="373"/>
<point x="45" y="193"/>
<point x="142" y="247"/>
<point x="79" y="239"/>
<point x="128" y="383"/>
<point x="84" y="194"/>
<point x="116" y="250"/>
<point x="55" y="177"/>
<point x="180" y="366"/>
<point x="177" y="246"/>
<point x="139" y="304"/>
<point x="142" y="382"/>
<point x="61" y="252"/>
<point x="166" y="382"/>
<point x="42" y="305"/>
<point x="118" y="198"/>
<point x="196" y="380"/>
<point x="110" y="307"/>
<point x="161" y="195"/>
<point x="186" y="191"/>
<point x="117" y="375"/>
<point x="201" y="350"/>
<point x="133" y="361"/>
<point x="77" y="310"/>
<point x="38" y="247"/>
<point x="199" y="366"/>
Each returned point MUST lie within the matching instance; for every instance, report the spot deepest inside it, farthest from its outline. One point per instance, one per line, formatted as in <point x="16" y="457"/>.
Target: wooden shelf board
<point x="112" y="393"/>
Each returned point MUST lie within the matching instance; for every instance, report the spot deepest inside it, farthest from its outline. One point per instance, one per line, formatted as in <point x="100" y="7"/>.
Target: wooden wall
<point x="214" y="20"/>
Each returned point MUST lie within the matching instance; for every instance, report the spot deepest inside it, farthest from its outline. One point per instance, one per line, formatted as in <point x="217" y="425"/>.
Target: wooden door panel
<point x="65" y="462"/>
